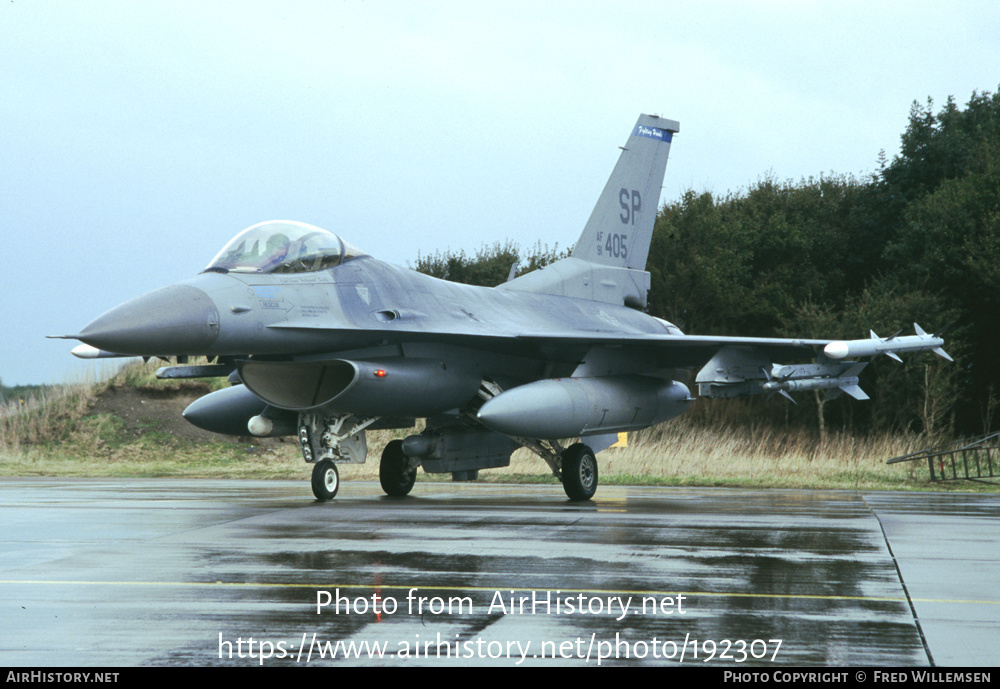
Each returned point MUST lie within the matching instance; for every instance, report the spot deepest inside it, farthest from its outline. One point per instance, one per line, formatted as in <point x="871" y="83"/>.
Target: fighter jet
<point x="324" y="342"/>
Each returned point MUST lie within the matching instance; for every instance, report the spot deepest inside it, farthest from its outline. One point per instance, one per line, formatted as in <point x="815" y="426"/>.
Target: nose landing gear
<point x="325" y="480"/>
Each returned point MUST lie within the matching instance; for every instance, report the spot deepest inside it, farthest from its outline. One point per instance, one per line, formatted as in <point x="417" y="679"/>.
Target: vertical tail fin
<point x="608" y="263"/>
<point x="620" y="228"/>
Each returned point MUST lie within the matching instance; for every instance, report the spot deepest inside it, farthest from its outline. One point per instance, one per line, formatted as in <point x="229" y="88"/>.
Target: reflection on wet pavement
<point x="137" y="572"/>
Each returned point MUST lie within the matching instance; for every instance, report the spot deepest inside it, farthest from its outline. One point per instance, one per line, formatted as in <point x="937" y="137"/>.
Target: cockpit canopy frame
<point x="282" y="246"/>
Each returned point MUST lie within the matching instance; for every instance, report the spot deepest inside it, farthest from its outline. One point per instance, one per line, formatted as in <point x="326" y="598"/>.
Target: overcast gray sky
<point x="137" y="138"/>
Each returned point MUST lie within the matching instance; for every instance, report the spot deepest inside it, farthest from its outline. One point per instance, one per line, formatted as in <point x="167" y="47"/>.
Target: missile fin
<point x="893" y="355"/>
<point x="937" y="350"/>
<point x="940" y="352"/>
<point x="856" y="369"/>
<point x="855" y="391"/>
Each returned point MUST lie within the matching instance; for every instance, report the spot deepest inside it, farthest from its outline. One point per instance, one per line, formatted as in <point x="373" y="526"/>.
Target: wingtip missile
<point x="890" y="346"/>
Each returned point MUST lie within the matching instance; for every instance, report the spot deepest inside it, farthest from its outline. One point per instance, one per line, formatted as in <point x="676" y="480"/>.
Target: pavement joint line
<point x="902" y="582"/>
<point x="487" y="589"/>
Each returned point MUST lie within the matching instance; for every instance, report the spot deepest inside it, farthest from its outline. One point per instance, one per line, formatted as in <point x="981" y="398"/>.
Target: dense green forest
<point x="917" y="241"/>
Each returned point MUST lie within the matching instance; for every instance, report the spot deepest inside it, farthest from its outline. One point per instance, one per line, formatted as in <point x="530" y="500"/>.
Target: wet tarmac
<point x="187" y="572"/>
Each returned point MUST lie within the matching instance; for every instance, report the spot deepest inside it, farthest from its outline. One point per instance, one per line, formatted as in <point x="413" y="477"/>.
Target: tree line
<point x="917" y="241"/>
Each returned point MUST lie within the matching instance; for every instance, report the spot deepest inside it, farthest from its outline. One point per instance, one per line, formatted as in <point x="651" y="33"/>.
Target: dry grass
<point x="683" y="452"/>
<point x="33" y="422"/>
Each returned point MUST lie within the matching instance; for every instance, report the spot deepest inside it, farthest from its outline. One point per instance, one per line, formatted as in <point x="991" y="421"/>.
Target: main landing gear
<point x="579" y="472"/>
<point x="458" y="450"/>
<point x="394" y="471"/>
<point x="575" y="467"/>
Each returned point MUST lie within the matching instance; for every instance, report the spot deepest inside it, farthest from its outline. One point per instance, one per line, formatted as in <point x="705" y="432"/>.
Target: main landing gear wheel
<point x="325" y="480"/>
<point x="394" y="471"/>
<point x="579" y="472"/>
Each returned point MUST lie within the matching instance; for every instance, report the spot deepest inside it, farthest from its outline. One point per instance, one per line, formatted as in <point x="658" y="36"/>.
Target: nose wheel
<point x="325" y="480"/>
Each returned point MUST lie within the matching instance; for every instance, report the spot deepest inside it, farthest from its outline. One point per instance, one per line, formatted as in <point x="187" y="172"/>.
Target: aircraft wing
<point x="726" y="366"/>
<point x="676" y="350"/>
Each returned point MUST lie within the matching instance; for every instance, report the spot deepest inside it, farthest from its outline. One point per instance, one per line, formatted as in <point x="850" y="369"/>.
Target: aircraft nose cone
<point x="175" y="320"/>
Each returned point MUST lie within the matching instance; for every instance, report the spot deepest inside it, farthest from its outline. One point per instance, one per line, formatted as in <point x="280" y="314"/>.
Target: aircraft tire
<point x="579" y="472"/>
<point x="325" y="480"/>
<point x="393" y="473"/>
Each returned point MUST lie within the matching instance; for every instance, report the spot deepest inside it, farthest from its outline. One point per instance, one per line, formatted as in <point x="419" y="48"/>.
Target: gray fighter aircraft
<point x="323" y="342"/>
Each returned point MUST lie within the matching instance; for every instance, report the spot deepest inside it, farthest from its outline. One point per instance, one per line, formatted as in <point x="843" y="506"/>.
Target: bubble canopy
<point x="282" y="246"/>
